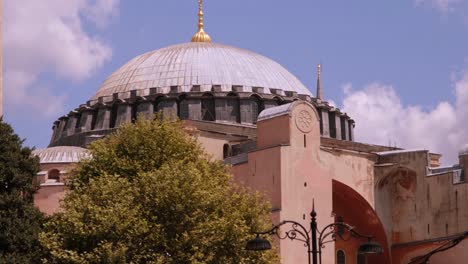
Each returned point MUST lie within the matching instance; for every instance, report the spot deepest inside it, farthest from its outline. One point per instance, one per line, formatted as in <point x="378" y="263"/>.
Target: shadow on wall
<point x="350" y="207"/>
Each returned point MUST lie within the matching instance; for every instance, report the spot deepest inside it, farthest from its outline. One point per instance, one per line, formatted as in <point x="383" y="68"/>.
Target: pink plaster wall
<point x="286" y="167"/>
<point x="48" y="198"/>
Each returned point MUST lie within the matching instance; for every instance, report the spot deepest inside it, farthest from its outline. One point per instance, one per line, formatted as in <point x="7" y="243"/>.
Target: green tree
<point x="151" y="195"/>
<point x="20" y="221"/>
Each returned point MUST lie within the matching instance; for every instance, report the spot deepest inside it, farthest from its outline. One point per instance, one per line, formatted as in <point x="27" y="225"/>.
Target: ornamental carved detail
<point x="304" y="121"/>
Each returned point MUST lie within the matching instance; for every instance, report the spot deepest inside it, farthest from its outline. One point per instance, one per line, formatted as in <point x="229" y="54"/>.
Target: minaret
<point x="319" y="82"/>
<point x="201" y="35"/>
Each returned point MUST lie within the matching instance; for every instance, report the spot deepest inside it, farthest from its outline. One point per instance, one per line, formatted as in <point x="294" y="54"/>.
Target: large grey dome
<point x="204" y="64"/>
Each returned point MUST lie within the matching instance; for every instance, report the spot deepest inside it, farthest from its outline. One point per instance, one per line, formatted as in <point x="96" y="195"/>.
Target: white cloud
<point x="27" y="93"/>
<point x="381" y="118"/>
<point x="47" y="36"/>
<point x="441" y="5"/>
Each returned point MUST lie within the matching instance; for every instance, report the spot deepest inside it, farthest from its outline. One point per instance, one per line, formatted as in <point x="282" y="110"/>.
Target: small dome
<point x="63" y="154"/>
<point x="463" y="151"/>
<point x="203" y="64"/>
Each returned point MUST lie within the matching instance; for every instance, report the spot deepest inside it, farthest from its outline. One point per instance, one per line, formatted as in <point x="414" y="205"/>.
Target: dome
<point x="63" y="154"/>
<point x="203" y="64"/>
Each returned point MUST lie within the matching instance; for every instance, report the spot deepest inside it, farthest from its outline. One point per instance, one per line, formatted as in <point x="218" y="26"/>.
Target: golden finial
<point x="319" y="82"/>
<point x="201" y="35"/>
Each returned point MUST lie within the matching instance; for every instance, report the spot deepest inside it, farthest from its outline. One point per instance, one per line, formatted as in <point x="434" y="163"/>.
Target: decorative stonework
<point x="304" y="121"/>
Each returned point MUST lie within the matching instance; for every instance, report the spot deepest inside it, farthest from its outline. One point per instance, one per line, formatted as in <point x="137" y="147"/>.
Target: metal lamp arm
<point x="323" y="234"/>
<point x="296" y="228"/>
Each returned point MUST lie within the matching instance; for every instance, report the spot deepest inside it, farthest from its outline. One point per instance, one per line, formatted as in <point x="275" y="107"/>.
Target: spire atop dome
<point x="201" y="35"/>
<point x="319" y="82"/>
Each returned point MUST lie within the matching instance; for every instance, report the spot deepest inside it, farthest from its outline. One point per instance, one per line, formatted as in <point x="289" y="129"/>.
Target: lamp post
<point x="310" y="240"/>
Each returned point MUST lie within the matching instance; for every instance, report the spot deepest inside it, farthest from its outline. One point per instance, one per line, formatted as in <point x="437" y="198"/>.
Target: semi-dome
<point x="200" y="64"/>
<point x="62" y="154"/>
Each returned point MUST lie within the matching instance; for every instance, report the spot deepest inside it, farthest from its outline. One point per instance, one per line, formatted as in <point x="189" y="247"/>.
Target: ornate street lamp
<point x="309" y="238"/>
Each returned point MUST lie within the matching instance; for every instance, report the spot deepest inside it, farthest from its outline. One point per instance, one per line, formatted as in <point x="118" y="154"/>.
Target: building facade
<point x="281" y="140"/>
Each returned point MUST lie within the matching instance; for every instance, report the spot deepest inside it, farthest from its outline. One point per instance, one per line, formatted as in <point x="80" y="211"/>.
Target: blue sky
<point x="399" y="68"/>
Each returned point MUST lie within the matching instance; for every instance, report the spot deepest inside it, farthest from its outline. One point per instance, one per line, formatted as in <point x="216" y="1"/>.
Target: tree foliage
<point x="20" y="221"/>
<point x="151" y="195"/>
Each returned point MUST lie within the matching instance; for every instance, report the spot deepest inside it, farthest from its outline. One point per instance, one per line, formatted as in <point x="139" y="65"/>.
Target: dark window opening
<point x="134" y="112"/>
<point x="78" y="120"/>
<point x="208" y="108"/>
<point x="305" y="141"/>
<point x="343" y="128"/>
<point x="233" y="108"/>
<point x="257" y="108"/>
<point x="113" y="115"/>
<point x="278" y="101"/>
<point x="94" y="119"/>
<point x="64" y="128"/>
<point x="53" y="174"/>
<point x="226" y="151"/>
<point x="157" y="105"/>
<point x="332" y="123"/>
<point x="321" y="122"/>
<point x="182" y="107"/>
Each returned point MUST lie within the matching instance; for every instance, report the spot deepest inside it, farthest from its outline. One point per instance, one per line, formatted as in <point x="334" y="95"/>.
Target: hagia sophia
<point x="280" y="139"/>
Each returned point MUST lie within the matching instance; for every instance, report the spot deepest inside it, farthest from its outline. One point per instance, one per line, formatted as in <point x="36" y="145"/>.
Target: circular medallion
<point x="304" y="121"/>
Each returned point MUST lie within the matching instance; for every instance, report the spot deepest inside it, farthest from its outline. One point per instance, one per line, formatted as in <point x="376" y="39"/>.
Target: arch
<point x="353" y="209"/>
<point x="208" y="110"/>
<point x="279" y="100"/>
<point x="53" y="174"/>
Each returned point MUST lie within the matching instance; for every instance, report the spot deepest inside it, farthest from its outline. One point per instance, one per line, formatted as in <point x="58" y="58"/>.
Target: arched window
<point x="340" y="257"/>
<point x="53" y="174"/>
<point x="208" y="108"/>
